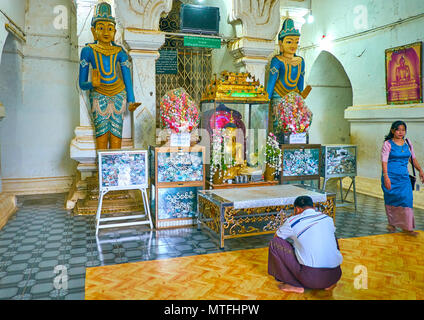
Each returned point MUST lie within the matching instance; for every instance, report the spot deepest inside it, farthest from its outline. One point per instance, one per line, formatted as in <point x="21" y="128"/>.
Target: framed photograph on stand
<point x="403" y="74"/>
<point x="123" y="170"/>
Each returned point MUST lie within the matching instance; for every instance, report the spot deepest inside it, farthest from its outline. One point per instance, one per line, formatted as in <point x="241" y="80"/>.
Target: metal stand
<point x="341" y="189"/>
<point x="130" y="217"/>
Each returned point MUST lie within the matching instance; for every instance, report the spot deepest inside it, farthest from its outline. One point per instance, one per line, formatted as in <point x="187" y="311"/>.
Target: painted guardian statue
<point x="108" y="91"/>
<point x="287" y="70"/>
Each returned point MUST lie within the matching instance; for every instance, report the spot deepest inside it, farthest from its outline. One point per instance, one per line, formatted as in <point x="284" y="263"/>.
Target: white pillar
<point x="3" y="36"/>
<point x="83" y="146"/>
<point x="252" y="55"/>
<point x="143" y="50"/>
<point x="255" y="44"/>
<point x="2" y="115"/>
<point x="8" y="203"/>
<point x="140" y="22"/>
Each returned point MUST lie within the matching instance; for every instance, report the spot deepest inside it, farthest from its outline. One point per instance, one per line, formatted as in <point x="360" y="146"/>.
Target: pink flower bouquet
<point x="293" y="114"/>
<point x="178" y="111"/>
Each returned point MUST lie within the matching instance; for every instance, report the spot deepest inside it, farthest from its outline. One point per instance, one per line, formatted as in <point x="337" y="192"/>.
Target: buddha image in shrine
<point x="403" y="76"/>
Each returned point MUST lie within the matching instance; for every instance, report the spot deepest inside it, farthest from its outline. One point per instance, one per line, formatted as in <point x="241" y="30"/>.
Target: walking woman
<point x="395" y="156"/>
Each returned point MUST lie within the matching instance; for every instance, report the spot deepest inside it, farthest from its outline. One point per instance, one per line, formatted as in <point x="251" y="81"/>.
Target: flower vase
<point x="269" y="173"/>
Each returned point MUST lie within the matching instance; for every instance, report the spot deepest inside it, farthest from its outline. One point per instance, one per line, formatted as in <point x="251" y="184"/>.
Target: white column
<point x="83" y="146"/>
<point x="3" y="36"/>
<point x="143" y="50"/>
<point x="8" y="204"/>
<point x="252" y="55"/>
<point x="140" y="22"/>
<point x="260" y="21"/>
<point x="2" y="115"/>
<point x="296" y="13"/>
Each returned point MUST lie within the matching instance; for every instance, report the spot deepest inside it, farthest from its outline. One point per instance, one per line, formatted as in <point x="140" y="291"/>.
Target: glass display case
<point x="339" y="161"/>
<point x="178" y="174"/>
<point x="301" y="162"/>
<point x="234" y="113"/>
<point x="179" y="166"/>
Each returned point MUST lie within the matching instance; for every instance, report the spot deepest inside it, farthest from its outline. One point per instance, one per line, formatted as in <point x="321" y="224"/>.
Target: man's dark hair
<point x="303" y="202"/>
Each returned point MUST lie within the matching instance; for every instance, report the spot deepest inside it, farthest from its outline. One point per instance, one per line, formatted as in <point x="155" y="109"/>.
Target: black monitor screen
<point x="199" y="19"/>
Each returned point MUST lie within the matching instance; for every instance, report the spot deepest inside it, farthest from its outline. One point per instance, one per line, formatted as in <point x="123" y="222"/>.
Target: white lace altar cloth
<point x="256" y="197"/>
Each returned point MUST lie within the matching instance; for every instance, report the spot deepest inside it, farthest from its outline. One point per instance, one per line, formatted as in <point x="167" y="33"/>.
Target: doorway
<point x="331" y="94"/>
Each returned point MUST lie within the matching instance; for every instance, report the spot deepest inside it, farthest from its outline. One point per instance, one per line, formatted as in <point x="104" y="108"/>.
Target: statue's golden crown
<point x="102" y="12"/>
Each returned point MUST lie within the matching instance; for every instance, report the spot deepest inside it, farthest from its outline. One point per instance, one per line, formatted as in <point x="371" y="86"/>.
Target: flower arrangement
<point x="293" y="114"/>
<point x="178" y="111"/>
<point x="273" y="153"/>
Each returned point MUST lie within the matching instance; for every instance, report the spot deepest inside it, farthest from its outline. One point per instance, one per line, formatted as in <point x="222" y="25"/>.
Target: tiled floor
<point x="42" y="244"/>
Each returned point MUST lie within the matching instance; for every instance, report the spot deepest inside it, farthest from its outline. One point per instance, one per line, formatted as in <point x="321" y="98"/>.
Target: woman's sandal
<point x="391" y="229"/>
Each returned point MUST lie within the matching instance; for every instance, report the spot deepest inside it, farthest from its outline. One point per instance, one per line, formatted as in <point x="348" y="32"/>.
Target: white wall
<point x="11" y="97"/>
<point x="39" y="127"/>
<point x="331" y="94"/>
<point x="12" y="13"/>
<point x="362" y="56"/>
<point x="360" y="39"/>
<point x="15" y="10"/>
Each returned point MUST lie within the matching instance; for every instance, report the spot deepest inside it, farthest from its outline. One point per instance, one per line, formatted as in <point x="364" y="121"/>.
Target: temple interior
<point x="149" y="149"/>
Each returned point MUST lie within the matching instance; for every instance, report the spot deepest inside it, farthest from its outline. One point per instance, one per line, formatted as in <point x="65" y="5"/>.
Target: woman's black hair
<point x="395" y="126"/>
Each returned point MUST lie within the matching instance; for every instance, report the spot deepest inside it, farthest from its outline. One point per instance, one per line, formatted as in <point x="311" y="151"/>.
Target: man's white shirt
<point x="314" y="240"/>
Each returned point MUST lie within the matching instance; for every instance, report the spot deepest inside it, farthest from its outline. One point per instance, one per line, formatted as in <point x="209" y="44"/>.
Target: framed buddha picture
<point x="403" y="74"/>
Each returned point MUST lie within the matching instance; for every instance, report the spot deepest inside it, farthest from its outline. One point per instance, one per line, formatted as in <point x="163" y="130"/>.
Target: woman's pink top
<point x="385" y="151"/>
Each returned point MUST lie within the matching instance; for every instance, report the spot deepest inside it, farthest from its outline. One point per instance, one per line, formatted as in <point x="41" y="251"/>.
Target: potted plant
<point x="273" y="157"/>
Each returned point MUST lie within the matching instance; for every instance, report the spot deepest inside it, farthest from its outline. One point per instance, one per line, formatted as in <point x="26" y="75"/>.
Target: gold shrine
<point x="234" y="86"/>
<point x="238" y="106"/>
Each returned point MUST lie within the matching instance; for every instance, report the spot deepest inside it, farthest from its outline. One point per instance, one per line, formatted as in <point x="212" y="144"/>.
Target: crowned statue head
<point x="103" y="24"/>
<point x="288" y="38"/>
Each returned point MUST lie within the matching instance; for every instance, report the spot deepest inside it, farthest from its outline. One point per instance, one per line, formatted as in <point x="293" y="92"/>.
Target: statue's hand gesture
<point x="133" y="106"/>
<point x="306" y="91"/>
<point x="95" y="78"/>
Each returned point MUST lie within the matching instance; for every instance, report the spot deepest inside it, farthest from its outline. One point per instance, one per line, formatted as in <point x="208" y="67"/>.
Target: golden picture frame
<point x="403" y="74"/>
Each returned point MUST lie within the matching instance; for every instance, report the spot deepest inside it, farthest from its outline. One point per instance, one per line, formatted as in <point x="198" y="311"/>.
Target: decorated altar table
<point x="241" y="212"/>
